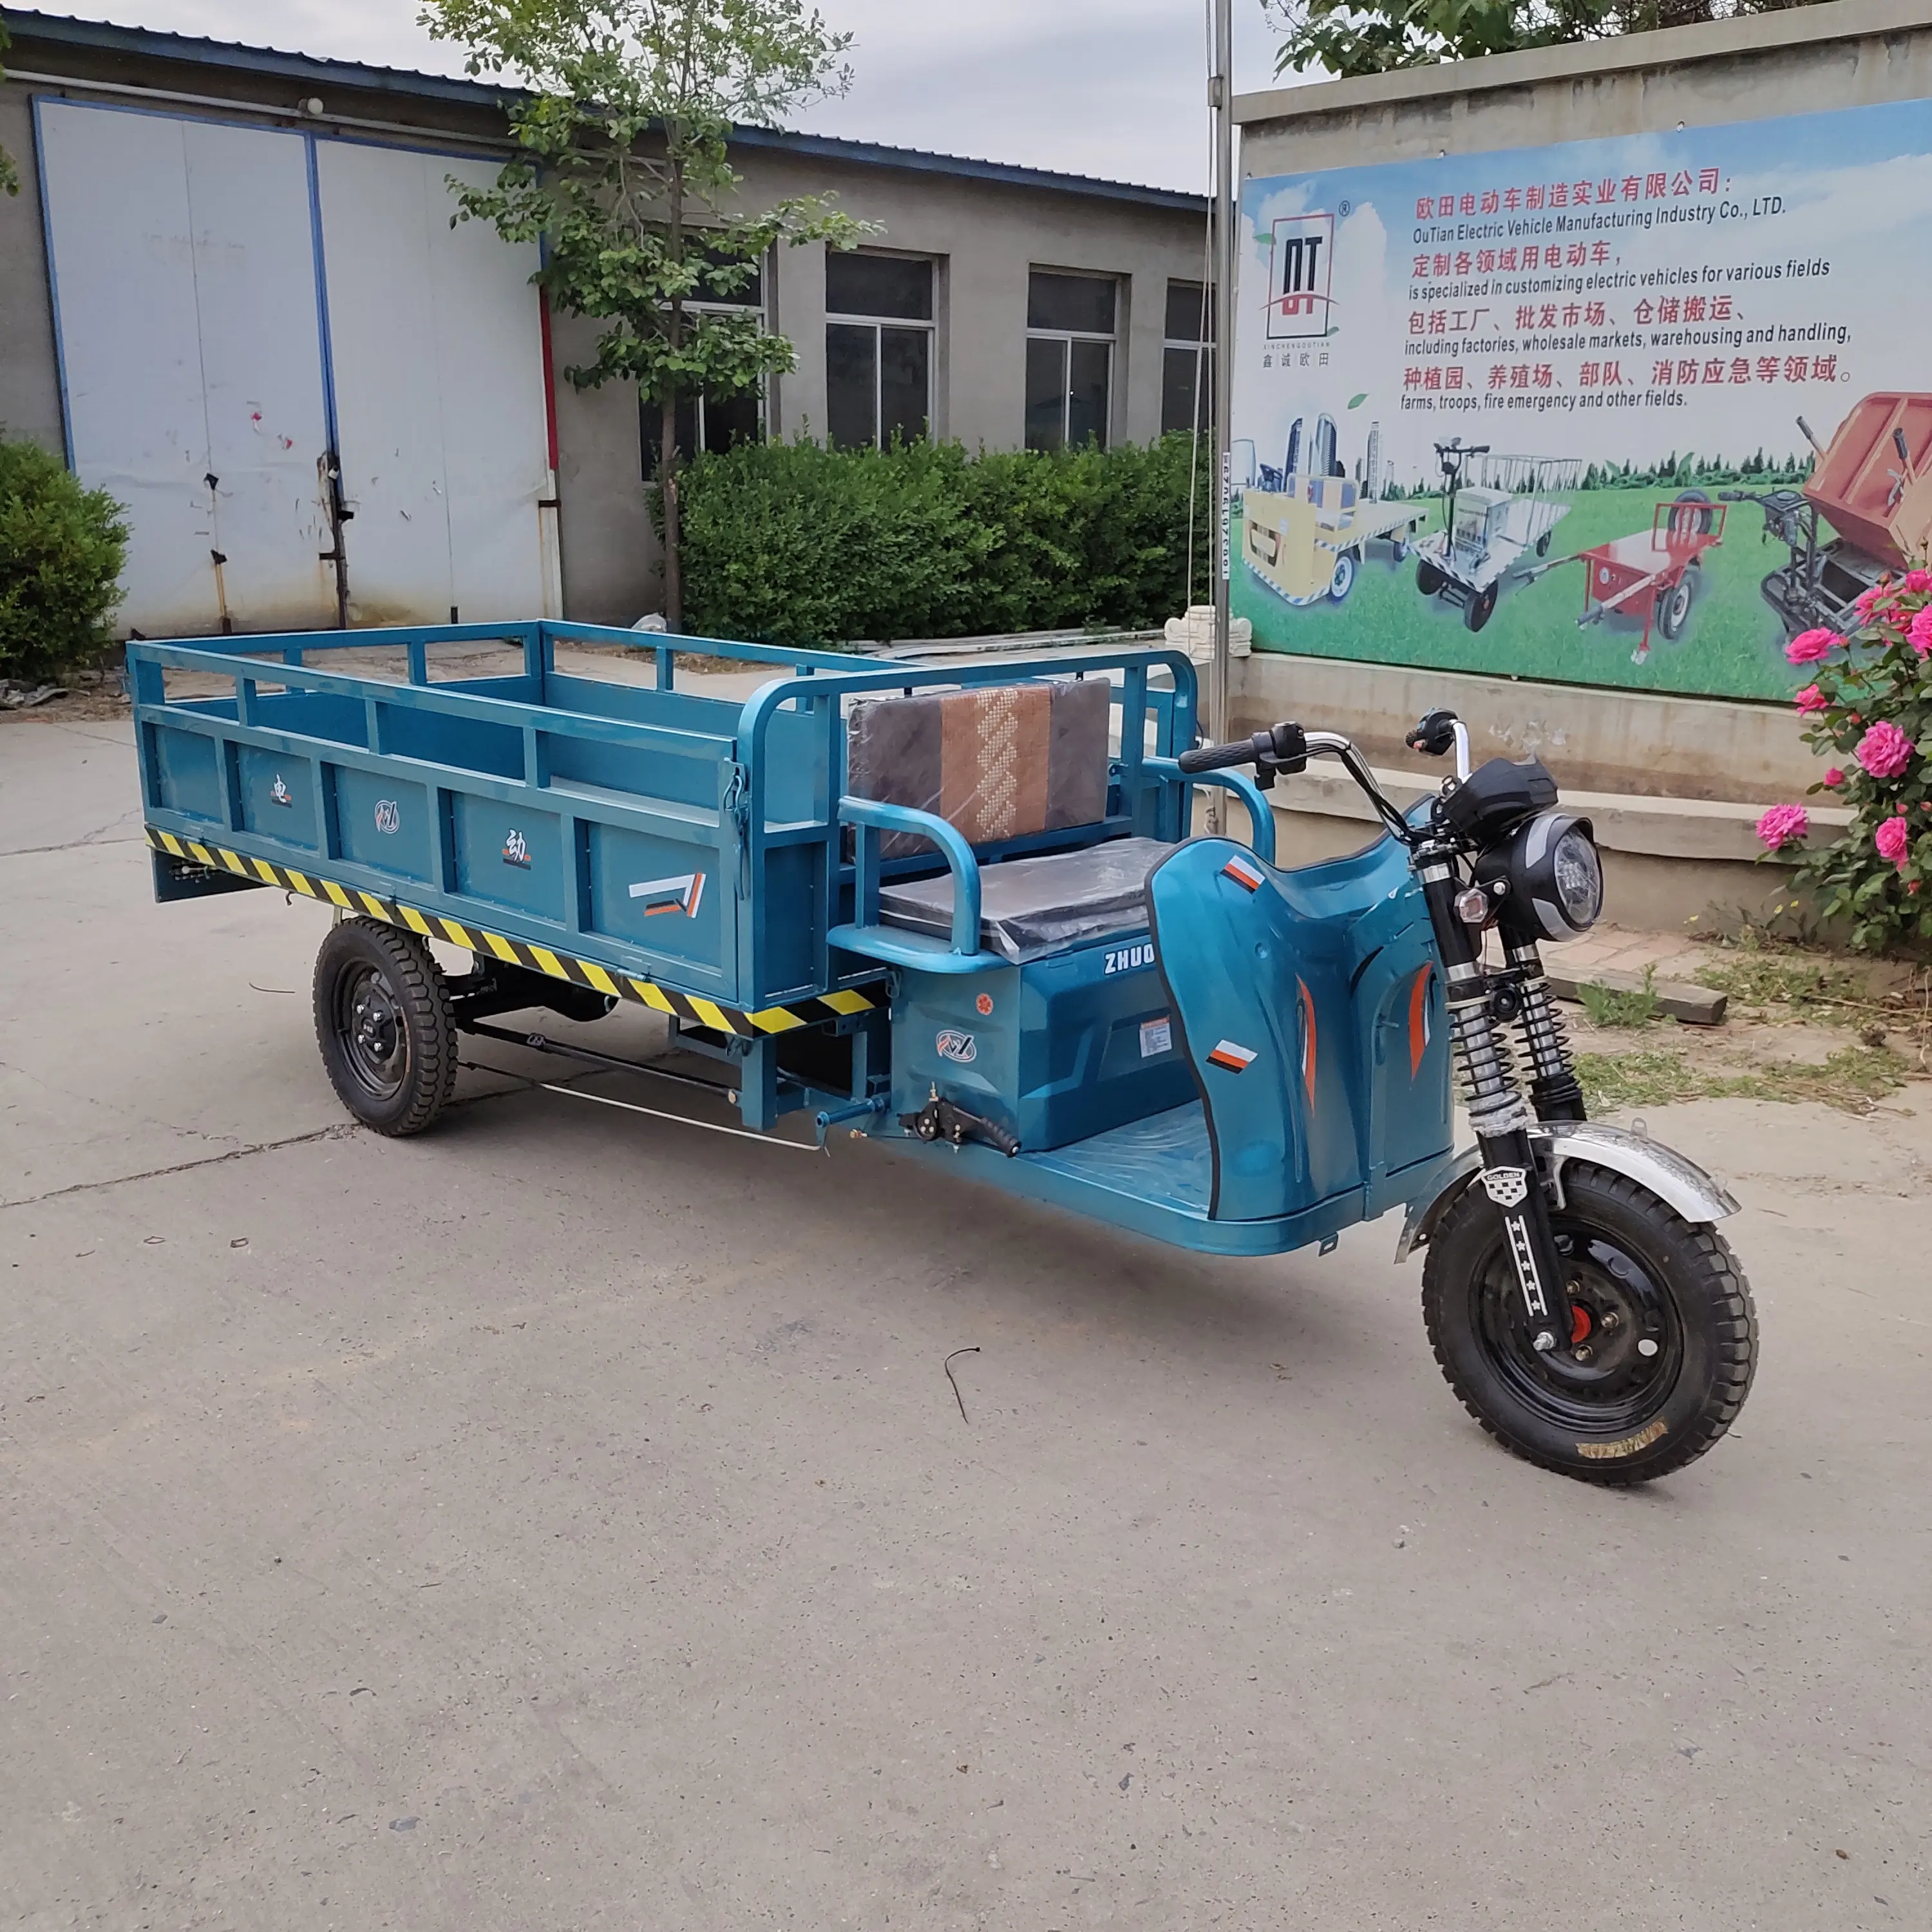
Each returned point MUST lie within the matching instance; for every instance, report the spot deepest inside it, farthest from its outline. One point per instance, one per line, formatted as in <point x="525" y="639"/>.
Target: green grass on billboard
<point x="1732" y="645"/>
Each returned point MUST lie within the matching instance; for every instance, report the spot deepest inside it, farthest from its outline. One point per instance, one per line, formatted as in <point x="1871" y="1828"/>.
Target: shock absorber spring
<point x="1485" y="1067"/>
<point x="1554" y="1090"/>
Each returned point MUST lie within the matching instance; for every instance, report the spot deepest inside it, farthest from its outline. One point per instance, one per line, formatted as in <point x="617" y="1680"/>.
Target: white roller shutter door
<point x="234" y="302"/>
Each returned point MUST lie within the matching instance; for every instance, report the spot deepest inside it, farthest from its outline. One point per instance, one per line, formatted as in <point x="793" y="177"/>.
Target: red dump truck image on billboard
<point x="1864" y="513"/>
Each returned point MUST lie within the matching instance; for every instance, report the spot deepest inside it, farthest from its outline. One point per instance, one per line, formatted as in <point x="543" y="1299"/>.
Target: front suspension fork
<point x="1498" y="1113"/>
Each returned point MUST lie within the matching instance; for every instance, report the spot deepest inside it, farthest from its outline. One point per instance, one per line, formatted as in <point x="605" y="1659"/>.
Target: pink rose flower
<point x="1893" y="841"/>
<point x="1867" y="601"/>
<point x="1920" y="632"/>
<point x="1885" y="750"/>
<point x="1808" y="647"/>
<point x="1833" y="778"/>
<point x="1810" y="699"/>
<point x="1918" y="582"/>
<point x="1784" y="825"/>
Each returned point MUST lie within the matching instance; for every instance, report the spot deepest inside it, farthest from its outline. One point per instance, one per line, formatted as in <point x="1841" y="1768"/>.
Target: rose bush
<point x="1871" y="700"/>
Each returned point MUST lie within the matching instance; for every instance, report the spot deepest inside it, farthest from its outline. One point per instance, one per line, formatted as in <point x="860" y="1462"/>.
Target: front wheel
<point x="1659" y="1359"/>
<point x="1673" y="607"/>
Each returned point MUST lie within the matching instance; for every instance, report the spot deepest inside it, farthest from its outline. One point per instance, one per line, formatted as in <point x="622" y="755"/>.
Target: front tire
<point x="1664" y="1349"/>
<point x="385" y="1024"/>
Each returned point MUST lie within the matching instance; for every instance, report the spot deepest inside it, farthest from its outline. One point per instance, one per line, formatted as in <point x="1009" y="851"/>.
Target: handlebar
<point x="1282" y="748"/>
<point x="1286" y="747"/>
<point x="1216" y="757"/>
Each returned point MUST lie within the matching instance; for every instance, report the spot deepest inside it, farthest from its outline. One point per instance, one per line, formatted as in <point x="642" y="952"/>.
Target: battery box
<point x="1054" y="1050"/>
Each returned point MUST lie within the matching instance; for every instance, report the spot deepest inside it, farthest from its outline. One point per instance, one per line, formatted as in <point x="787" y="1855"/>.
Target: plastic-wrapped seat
<point x="1029" y="908"/>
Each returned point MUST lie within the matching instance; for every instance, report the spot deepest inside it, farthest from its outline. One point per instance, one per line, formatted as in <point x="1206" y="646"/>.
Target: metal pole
<point x="1221" y="88"/>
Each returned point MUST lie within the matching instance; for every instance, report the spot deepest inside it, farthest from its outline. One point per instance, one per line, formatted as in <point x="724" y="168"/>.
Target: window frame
<point x="1066" y="337"/>
<point x="928" y="325"/>
<point x="1201" y="347"/>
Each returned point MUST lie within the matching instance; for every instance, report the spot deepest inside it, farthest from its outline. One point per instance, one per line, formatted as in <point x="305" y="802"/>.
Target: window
<point x="709" y="423"/>
<point x="1187" y="357"/>
<point x="878" y="350"/>
<point x="1069" y="359"/>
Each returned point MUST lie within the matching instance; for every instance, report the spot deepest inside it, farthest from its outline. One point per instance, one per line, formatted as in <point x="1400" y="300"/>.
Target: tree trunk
<point x="667" y="481"/>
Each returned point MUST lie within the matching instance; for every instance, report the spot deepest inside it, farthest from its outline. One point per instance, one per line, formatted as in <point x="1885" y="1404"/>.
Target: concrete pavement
<point x="564" y="1520"/>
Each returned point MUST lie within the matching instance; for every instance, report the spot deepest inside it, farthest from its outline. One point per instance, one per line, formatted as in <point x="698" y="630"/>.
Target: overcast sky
<point x="1112" y="88"/>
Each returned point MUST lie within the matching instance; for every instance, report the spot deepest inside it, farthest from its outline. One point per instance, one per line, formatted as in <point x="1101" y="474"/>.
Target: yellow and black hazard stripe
<point x="688" y="1007"/>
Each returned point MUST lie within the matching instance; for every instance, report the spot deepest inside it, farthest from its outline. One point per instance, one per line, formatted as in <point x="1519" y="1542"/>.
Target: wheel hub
<point x="369" y="1025"/>
<point x="1622" y="1347"/>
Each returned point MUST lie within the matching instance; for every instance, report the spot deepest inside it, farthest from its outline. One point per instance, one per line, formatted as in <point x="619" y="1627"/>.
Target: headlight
<point x="1548" y="877"/>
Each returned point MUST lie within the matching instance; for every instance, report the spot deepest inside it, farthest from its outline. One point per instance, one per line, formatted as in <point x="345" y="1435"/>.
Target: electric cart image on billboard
<point x="1496" y="510"/>
<point x="1864" y="513"/>
<point x="1651" y="575"/>
<point x="1307" y="540"/>
<point x="962" y="911"/>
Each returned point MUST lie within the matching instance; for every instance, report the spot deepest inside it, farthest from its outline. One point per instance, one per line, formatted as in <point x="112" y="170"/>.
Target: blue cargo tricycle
<point x="960" y="909"/>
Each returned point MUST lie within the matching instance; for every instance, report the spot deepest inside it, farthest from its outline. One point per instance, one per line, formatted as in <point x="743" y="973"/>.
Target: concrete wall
<point x="1649" y="744"/>
<point x="1848" y="53"/>
<point x="984" y="235"/>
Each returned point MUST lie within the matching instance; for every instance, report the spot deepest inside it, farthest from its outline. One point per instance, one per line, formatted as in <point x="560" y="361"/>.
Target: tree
<point x="625" y="177"/>
<point x="1354" y="37"/>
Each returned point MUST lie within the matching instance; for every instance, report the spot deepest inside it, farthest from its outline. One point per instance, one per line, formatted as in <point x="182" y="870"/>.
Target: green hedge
<point x="61" y="549"/>
<point x="791" y="543"/>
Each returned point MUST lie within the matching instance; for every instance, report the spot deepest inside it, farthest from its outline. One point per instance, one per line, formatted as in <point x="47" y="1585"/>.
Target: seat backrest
<point x="996" y="761"/>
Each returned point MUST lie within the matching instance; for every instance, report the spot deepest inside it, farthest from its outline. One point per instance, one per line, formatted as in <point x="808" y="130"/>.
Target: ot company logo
<point x="1301" y="249"/>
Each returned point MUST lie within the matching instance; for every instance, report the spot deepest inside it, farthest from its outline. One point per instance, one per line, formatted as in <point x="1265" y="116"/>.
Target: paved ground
<point x="563" y="1521"/>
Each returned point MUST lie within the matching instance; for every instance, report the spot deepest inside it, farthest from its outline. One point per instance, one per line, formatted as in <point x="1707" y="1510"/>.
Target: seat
<point x="1029" y="908"/>
<point x="998" y="761"/>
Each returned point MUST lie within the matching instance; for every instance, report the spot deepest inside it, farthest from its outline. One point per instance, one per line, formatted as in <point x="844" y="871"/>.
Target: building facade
<point x="230" y="292"/>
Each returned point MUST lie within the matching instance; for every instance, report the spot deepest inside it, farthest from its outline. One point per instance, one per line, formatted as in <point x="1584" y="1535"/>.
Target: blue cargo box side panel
<point x="660" y="893"/>
<point x="277" y="792"/>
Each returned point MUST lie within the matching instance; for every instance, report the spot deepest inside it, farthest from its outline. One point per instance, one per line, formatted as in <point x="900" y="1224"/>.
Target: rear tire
<point x="1602" y="1411"/>
<point x="1481" y="607"/>
<point x="385" y="1025"/>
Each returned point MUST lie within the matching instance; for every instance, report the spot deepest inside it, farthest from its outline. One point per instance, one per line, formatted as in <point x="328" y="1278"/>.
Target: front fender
<point x="1681" y="1184"/>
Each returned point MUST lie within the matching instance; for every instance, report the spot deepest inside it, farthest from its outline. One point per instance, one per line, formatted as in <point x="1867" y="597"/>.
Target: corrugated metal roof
<point x="196" y="50"/>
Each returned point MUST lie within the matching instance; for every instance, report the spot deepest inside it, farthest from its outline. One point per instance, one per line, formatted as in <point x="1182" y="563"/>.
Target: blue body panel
<point x="1055" y="1051"/>
<point x="1310" y="1008"/>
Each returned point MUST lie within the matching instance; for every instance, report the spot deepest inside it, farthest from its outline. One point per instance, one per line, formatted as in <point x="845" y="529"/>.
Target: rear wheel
<point x="384" y="1024"/>
<point x="1343" y="581"/>
<point x="1691" y="514"/>
<point x="1481" y="607"/>
<point x="1661" y="1355"/>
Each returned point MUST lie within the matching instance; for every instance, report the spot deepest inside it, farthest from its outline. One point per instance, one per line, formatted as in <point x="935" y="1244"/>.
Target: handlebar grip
<point x="1217" y="757"/>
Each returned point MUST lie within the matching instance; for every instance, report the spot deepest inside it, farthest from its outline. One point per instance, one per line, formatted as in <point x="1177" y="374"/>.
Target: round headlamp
<point x="1552" y="877"/>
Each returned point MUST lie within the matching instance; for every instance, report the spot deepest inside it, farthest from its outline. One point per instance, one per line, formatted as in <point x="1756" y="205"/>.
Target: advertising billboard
<point x="1630" y="412"/>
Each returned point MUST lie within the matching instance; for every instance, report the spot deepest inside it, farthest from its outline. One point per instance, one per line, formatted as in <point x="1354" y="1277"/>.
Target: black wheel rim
<point x="1623" y="1357"/>
<point x="371" y="1031"/>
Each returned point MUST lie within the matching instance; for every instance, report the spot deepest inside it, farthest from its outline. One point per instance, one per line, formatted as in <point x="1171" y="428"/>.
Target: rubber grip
<point x="1217" y="757"/>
